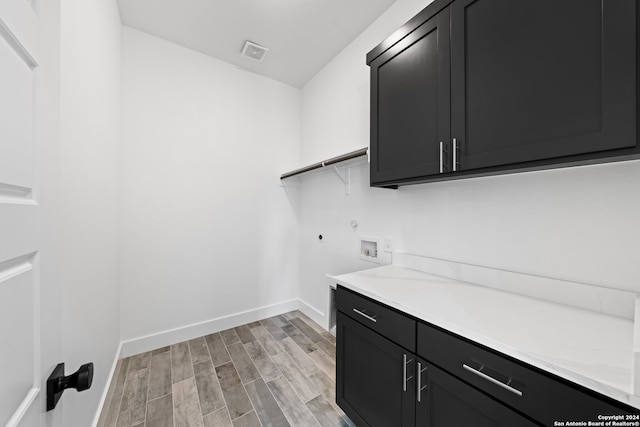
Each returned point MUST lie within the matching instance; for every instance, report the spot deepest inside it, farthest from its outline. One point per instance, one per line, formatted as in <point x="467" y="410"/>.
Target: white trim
<point x="107" y="386"/>
<point x="184" y="333"/>
<point x="17" y="46"/>
<point x="23" y="408"/>
<point x="315" y="314"/>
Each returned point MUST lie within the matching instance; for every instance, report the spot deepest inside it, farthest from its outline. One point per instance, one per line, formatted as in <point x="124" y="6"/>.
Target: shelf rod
<point x="329" y="162"/>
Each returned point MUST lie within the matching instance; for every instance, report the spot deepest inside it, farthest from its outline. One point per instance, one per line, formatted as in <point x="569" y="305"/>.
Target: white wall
<point x="206" y="230"/>
<point x="578" y="224"/>
<point x="88" y="195"/>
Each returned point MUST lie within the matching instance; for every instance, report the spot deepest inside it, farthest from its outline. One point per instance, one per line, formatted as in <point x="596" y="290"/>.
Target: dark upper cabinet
<point x="505" y="86"/>
<point x="410" y="103"/>
<point x="540" y="79"/>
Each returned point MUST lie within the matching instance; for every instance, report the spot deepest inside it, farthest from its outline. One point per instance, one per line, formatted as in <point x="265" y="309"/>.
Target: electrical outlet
<point x="388" y="244"/>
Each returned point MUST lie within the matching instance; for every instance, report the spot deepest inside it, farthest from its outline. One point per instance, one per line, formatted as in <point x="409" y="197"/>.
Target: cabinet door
<point x="446" y="401"/>
<point x="541" y="79"/>
<point x="410" y="109"/>
<point x="370" y="382"/>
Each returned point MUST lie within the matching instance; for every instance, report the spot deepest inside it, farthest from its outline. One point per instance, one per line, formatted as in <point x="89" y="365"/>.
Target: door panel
<point x="20" y="390"/>
<point x="447" y="401"/>
<point x="562" y="83"/>
<point x="17" y="320"/>
<point x="410" y="103"/>
<point x="369" y="384"/>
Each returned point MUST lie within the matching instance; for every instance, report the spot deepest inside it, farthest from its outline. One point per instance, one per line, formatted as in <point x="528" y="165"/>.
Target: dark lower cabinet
<point x="444" y="380"/>
<point x="372" y="385"/>
<point x="446" y="401"/>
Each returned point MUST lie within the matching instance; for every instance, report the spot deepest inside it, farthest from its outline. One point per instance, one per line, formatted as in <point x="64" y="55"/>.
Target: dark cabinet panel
<point x="476" y="87"/>
<point x="387" y="322"/>
<point x="542" y="396"/>
<point x="372" y="385"/>
<point x="541" y="79"/>
<point x="410" y="103"/>
<point x="446" y="401"/>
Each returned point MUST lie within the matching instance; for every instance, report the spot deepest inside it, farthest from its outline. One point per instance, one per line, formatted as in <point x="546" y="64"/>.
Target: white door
<point x="26" y="353"/>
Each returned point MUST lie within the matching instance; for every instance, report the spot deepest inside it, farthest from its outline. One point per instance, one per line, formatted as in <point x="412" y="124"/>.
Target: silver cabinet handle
<point x="404" y="372"/>
<point x="492" y="380"/>
<point x="420" y="386"/>
<point x="441" y="157"/>
<point x="455" y="155"/>
<point x="366" y="316"/>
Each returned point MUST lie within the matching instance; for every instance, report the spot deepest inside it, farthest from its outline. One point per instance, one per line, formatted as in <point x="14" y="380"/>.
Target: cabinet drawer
<point x="542" y="396"/>
<point x="386" y="321"/>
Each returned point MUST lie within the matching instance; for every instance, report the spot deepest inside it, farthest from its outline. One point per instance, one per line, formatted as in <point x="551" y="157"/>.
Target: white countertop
<point x="589" y="348"/>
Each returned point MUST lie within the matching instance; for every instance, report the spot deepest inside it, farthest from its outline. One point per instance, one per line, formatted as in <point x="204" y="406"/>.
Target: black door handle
<point x="57" y="382"/>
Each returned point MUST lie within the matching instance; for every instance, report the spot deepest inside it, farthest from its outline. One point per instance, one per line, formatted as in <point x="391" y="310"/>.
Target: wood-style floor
<point x="276" y="372"/>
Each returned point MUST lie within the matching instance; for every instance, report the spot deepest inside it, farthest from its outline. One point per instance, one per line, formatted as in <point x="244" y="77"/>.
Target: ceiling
<point x="302" y="35"/>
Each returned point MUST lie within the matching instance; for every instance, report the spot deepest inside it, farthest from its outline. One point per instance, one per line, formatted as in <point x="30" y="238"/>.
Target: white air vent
<point x="254" y="51"/>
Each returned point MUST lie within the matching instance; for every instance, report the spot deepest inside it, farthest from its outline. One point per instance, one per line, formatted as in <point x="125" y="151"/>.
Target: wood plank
<point x="186" y="404"/>
<point x="290" y="315"/>
<point x="181" y="367"/>
<point x="219" y="418"/>
<point x="234" y="393"/>
<point x="159" y="375"/>
<point x="230" y="336"/>
<point x="299" y="338"/>
<point x="199" y="350"/>
<point x="134" y="399"/>
<point x="298" y="380"/>
<point x="117" y="386"/>
<point x="245" y="334"/>
<point x="327" y="387"/>
<point x="268" y="370"/>
<point x="248" y="420"/>
<point x="324" y="362"/>
<point x="160" y="350"/>
<point x="217" y="349"/>
<point x="160" y="412"/>
<point x="328" y="348"/>
<point x="273" y="328"/>
<point x="325" y="414"/>
<point x="253" y="324"/>
<point x="306" y="329"/>
<point x="209" y="390"/>
<point x="298" y="355"/>
<point x="267" y="341"/>
<point x="296" y="412"/>
<point x="266" y="408"/>
<point x="140" y="361"/>
<point x="314" y="325"/>
<point x="243" y="363"/>
<point x="329" y="337"/>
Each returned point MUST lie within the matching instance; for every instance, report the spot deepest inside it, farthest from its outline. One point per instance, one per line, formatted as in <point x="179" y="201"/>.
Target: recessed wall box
<point x="370" y="248"/>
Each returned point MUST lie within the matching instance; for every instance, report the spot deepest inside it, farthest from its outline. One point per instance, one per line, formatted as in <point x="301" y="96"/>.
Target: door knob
<point x="57" y="382"/>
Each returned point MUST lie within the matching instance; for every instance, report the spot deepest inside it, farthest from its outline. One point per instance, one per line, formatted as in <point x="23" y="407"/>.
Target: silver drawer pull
<point x="455" y="155"/>
<point x="441" y="157"/>
<point x="404" y="372"/>
<point x="491" y="379"/>
<point x="420" y="386"/>
<point x="372" y="318"/>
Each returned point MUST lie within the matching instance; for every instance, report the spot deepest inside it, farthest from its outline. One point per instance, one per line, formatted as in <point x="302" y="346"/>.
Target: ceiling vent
<point x="253" y="51"/>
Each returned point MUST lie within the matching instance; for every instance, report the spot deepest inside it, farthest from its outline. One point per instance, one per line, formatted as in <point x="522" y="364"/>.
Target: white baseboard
<point x="174" y="336"/>
<point x="315" y="314"/>
<point x="107" y="386"/>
